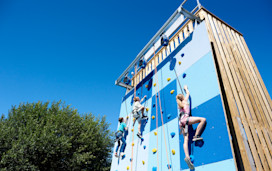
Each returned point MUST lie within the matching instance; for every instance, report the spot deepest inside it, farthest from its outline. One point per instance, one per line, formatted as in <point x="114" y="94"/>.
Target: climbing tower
<point x="199" y="50"/>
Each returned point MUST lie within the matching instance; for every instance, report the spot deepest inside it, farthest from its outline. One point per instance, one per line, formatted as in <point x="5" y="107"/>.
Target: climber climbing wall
<point x="162" y="145"/>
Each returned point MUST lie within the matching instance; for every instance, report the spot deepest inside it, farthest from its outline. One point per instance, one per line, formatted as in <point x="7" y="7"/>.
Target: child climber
<point x="120" y="137"/>
<point x="184" y="120"/>
<point x="138" y="113"/>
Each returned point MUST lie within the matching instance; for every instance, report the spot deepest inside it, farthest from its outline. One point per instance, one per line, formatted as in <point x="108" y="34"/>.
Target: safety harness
<point x="185" y="128"/>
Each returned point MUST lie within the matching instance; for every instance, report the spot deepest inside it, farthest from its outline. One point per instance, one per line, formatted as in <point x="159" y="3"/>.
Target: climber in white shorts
<point x="138" y="113"/>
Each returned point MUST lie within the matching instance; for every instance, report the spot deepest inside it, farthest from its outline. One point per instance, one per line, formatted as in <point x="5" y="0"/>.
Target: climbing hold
<point x="155" y="133"/>
<point x="147" y="109"/>
<point x="184" y="75"/>
<point x="169" y="166"/>
<point x="130" y="159"/>
<point x="169" y="116"/>
<point x="143" y="162"/>
<point x="154" y="105"/>
<point x="172" y="134"/>
<point x="132" y="130"/>
<point x="173" y="152"/>
<point x="132" y="144"/>
<point x="127" y="167"/>
<point x="155" y="84"/>
<point x="154" y="150"/>
<point x="144" y="147"/>
<point x="179" y="62"/>
<point x="153" y="117"/>
<point x="192" y="158"/>
<point x="138" y="93"/>
<point x="172" y="91"/>
<point x="127" y="117"/>
<point x="168" y="79"/>
<point x="182" y="55"/>
<point x="146" y="86"/>
<point x="154" y="168"/>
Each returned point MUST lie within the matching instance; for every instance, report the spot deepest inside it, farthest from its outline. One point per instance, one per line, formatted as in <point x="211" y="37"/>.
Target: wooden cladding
<point x="177" y="39"/>
<point x="247" y="103"/>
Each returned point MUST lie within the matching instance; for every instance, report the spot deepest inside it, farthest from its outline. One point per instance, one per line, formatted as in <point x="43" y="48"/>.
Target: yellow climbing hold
<point x="132" y="130"/>
<point x="155" y="84"/>
<point x="127" y="117"/>
<point x="172" y="91"/>
<point x="154" y="150"/>
<point x="173" y="152"/>
<point x="143" y="162"/>
<point x="127" y="167"/>
<point x="147" y="109"/>
<point x="179" y="62"/>
<point x="132" y="144"/>
<point x="155" y="133"/>
<point x="146" y="86"/>
<point x="168" y="79"/>
<point x="153" y="117"/>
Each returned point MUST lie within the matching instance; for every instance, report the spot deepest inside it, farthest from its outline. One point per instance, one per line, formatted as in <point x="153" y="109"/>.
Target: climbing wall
<point x="162" y="144"/>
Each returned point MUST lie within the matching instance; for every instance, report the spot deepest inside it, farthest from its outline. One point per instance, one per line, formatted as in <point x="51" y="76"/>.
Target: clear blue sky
<point x="74" y="50"/>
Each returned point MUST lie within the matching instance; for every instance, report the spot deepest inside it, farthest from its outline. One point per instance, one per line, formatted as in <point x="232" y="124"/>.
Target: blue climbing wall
<point x="197" y="70"/>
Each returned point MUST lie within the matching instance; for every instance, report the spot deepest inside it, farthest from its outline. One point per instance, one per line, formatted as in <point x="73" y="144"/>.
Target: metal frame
<point x="157" y="36"/>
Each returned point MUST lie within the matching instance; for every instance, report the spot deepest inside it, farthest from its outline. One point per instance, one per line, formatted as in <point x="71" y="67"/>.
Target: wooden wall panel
<point x="246" y="96"/>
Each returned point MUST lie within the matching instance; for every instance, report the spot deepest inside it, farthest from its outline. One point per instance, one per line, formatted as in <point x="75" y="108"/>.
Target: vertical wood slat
<point x="259" y="81"/>
<point x="230" y="99"/>
<point x="190" y="25"/>
<point x="241" y="102"/>
<point x="256" y="71"/>
<point x="249" y="101"/>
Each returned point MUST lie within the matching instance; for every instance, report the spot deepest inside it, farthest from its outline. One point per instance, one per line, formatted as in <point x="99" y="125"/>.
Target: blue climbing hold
<point x="144" y="147"/>
<point x="169" y="116"/>
<point x="138" y="93"/>
<point x="192" y="158"/>
<point x="130" y="159"/>
<point x="184" y="75"/>
<point x="154" y="105"/>
<point x="154" y="169"/>
<point x="182" y="55"/>
<point x="169" y="166"/>
<point x="172" y="134"/>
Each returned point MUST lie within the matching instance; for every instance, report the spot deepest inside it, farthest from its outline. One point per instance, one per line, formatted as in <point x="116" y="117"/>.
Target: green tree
<point x="43" y="136"/>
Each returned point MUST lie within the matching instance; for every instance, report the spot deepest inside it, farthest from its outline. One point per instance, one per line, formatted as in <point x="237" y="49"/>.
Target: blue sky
<point x="74" y="50"/>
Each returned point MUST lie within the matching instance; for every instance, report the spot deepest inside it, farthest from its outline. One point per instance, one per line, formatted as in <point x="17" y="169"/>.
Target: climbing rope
<point x="161" y="114"/>
<point x="177" y="79"/>
<point x="135" y="121"/>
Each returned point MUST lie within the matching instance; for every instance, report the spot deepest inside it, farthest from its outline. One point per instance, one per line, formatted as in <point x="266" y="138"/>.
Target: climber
<point x="184" y="120"/>
<point x="120" y="136"/>
<point x="138" y="113"/>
